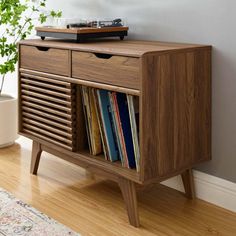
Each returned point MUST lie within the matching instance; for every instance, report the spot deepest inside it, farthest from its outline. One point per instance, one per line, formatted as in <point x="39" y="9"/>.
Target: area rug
<point x="18" y="218"/>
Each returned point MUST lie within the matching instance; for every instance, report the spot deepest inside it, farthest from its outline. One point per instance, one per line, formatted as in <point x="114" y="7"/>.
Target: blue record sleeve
<point x="104" y="104"/>
<point x="126" y="127"/>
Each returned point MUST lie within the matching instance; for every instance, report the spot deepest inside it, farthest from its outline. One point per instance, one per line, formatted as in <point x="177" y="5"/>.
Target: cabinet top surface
<point x="135" y="48"/>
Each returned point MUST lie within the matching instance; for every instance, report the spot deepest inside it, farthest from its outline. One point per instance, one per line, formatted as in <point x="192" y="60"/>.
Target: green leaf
<point x="42" y="18"/>
<point x="17" y="24"/>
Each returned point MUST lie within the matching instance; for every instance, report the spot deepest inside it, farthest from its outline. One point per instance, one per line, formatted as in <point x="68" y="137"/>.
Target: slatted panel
<point x="47" y="92"/>
<point x="42" y="95"/>
<point x="29" y="98"/>
<point x="53" y="120"/>
<point x="48" y="110"/>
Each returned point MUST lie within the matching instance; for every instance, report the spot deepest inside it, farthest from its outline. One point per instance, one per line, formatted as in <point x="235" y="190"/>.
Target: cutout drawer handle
<point x="103" y="56"/>
<point x="43" y="49"/>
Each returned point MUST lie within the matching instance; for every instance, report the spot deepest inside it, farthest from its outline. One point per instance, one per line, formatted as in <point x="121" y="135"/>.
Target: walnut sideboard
<point x="172" y="81"/>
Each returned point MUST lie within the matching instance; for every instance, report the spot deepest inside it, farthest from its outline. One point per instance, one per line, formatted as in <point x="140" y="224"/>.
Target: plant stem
<point x="1" y="88"/>
<point x="15" y="40"/>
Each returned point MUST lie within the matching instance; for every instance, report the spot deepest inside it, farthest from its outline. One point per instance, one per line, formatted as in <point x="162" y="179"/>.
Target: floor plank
<point x="95" y="207"/>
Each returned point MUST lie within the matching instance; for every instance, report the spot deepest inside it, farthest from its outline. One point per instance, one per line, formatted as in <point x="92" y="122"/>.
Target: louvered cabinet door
<point x="47" y="110"/>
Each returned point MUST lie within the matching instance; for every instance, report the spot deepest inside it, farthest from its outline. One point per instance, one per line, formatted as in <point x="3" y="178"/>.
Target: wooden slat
<point x="49" y="134"/>
<point x="36" y="75"/>
<point x="46" y="97"/>
<point x="46" y="139"/>
<point x="65" y="126"/>
<point x="43" y="91"/>
<point x="79" y="81"/>
<point x="60" y="123"/>
<point x="46" y="103"/>
<point x="109" y="87"/>
<point x="46" y="127"/>
<point x="48" y="110"/>
<point x="46" y="85"/>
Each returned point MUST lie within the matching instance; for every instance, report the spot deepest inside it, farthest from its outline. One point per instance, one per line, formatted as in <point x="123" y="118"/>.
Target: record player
<point x="85" y="30"/>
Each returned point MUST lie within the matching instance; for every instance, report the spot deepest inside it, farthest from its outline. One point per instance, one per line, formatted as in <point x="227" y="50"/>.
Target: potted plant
<point x="17" y="20"/>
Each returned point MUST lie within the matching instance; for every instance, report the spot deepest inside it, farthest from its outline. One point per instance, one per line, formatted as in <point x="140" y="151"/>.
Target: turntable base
<point x="83" y="33"/>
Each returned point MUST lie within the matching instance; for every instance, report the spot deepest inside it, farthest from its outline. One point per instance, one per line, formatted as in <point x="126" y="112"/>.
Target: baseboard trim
<point x="209" y="188"/>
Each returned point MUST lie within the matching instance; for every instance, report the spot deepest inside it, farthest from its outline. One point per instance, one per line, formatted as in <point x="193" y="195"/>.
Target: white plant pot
<point x="8" y="120"/>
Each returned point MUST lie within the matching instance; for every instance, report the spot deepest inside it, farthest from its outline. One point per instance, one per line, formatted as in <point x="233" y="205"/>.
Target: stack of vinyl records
<point x="112" y="123"/>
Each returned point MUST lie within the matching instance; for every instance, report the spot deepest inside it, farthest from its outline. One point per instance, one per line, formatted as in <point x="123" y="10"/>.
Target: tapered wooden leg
<point x="128" y="190"/>
<point x="187" y="178"/>
<point x="35" y="157"/>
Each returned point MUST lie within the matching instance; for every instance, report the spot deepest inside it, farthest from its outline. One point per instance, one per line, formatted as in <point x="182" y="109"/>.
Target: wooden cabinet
<point x="172" y="81"/>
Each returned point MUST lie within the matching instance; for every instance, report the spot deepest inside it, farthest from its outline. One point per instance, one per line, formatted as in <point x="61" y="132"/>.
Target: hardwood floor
<point x="95" y="207"/>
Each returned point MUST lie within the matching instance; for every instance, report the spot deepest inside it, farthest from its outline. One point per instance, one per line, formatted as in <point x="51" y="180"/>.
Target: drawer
<point x="50" y="60"/>
<point x="106" y="68"/>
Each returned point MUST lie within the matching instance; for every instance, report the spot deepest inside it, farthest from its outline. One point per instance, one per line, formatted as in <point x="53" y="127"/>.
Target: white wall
<point x="203" y="21"/>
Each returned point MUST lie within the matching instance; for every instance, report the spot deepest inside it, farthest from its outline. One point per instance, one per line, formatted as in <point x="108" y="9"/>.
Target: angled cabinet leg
<point x="187" y="178"/>
<point x="35" y="157"/>
<point x="128" y="190"/>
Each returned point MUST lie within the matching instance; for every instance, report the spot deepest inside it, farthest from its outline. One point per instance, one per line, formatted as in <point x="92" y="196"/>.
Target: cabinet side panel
<point x="157" y="138"/>
<point x="183" y="113"/>
<point x="202" y="95"/>
<point x="175" y="112"/>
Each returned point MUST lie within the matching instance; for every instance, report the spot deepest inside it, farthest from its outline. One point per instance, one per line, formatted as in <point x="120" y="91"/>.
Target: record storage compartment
<point x="116" y="134"/>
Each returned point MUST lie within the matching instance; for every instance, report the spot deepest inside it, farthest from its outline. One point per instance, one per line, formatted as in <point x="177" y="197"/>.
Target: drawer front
<point x="50" y="60"/>
<point x="104" y="68"/>
<point x="47" y="110"/>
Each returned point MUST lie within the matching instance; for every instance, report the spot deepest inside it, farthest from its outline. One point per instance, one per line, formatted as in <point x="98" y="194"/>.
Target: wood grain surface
<point x="48" y="110"/>
<point x="35" y="157"/>
<point x="128" y="190"/>
<point x="67" y="80"/>
<point x="133" y="48"/>
<point x="115" y="70"/>
<point x="173" y="82"/>
<point x="188" y="182"/>
<point x="95" y="206"/>
<point x="175" y="112"/>
<point x="45" y="59"/>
